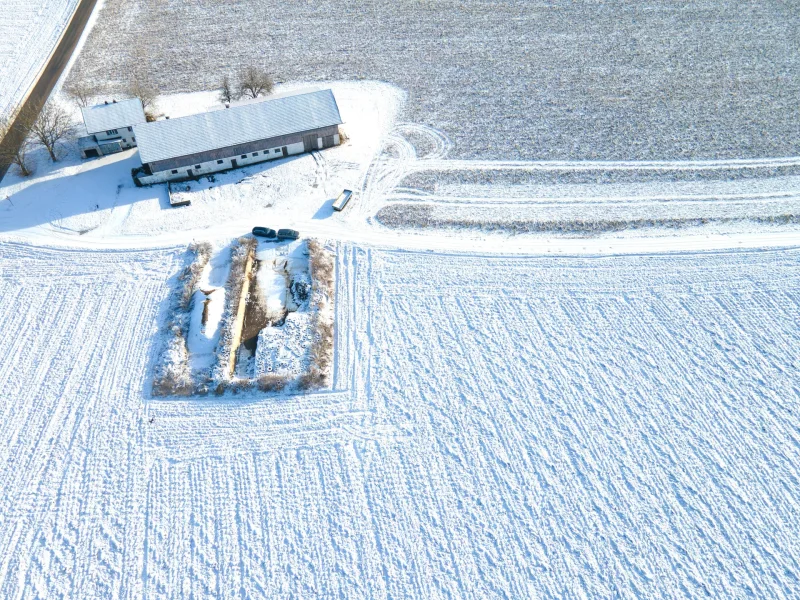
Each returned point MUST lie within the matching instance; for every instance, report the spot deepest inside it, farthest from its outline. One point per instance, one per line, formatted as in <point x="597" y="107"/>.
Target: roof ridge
<point x="211" y="130"/>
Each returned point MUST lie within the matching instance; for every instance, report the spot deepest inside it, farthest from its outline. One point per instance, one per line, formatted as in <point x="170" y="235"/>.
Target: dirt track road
<point x="52" y="71"/>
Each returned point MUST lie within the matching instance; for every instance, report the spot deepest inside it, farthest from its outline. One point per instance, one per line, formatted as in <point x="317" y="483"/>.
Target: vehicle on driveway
<point x="288" y="234"/>
<point x="342" y="200"/>
<point x="264" y="232"/>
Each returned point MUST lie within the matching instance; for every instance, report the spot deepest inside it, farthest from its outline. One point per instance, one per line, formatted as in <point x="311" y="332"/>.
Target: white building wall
<point x="125" y="133"/>
<point x="214" y="166"/>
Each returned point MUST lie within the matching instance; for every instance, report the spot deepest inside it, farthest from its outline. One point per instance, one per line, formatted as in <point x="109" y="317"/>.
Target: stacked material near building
<point x="188" y="147"/>
<point x="109" y="127"/>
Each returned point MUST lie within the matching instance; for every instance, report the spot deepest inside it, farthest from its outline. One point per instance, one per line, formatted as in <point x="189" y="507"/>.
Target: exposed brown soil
<point x="255" y="317"/>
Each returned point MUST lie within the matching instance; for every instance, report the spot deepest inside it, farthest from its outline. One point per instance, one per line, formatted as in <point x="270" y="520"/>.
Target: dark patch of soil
<point x="255" y="317"/>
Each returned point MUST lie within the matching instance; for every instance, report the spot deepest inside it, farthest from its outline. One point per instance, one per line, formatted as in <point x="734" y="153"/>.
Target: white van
<point x="342" y="200"/>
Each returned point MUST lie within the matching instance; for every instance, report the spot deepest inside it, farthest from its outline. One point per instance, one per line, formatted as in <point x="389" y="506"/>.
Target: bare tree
<point x="81" y="91"/>
<point x="142" y="88"/>
<point x="16" y="143"/>
<point x="140" y="83"/>
<point x="253" y="82"/>
<point x="51" y="127"/>
<point x="226" y="93"/>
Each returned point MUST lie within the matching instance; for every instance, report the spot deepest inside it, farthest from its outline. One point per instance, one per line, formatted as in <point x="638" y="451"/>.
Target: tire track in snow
<point x="399" y="159"/>
<point x="74" y="417"/>
<point x="579" y="437"/>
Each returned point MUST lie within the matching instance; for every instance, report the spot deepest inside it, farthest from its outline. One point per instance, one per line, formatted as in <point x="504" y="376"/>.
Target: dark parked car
<point x="264" y="232"/>
<point x="288" y="234"/>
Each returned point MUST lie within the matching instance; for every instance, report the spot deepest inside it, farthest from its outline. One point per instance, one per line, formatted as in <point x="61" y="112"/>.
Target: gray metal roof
<point x="171" y="138"/>
<point x="113" y="115"/>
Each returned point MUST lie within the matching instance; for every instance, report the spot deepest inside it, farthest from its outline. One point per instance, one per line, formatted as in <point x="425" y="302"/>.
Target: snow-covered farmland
<point x="497" y="427"/>
<point x="510" y="79"/>
<point x="28" y="33"/>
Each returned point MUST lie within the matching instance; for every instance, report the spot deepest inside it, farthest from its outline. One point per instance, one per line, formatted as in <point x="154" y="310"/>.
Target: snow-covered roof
<point x="171" y="138"/>
<point x="113" y="115"/>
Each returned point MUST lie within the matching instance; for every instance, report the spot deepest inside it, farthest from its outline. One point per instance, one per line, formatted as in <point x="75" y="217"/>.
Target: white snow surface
<point x="502" y="423"/>
<point x="208" y="297"/>
<point x="29" y="32"/>
<point x="283" y="350"/>
<point x="203" y="337"/>
<point x="271" y="280"/>
<point x="498" y="426"/>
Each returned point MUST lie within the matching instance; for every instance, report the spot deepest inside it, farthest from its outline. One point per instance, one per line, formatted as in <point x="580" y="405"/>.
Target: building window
<point x="133" y="139"/>
<point x="277" y="151"/>
<point x="130" y="129"/>
<point x="244" y="155"/>
<point x="198" y="167"/>
<point x="219" y="162"/>
<point x="174" y="171"/>
<point x="255" y="153"/>
<point x="111" y="132"/>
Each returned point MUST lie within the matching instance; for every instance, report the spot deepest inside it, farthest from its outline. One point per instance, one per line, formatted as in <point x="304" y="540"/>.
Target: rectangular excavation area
<point x="253" y="315"/>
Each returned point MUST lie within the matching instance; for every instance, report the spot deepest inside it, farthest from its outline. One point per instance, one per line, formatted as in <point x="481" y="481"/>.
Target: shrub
<point x="320" y="353"/>
<point x="241" y="250"/>
<point x="272" y="383"/>
<point x="312" y="379"/>
<point x="191" y="275"/>
<point x="173" y="375"/>
<point x="238" y="384"/>
<point x="322" y="267"/>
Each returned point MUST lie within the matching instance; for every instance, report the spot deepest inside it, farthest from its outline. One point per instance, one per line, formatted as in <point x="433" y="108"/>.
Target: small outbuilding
<point x="196" y="145"/>
<point x="109" y="127"/>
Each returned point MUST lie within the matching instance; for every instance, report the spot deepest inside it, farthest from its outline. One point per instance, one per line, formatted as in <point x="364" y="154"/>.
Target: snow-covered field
<point x="29" y="31"/>
<point x="415" y="183"/>
<point x="498" y="427"/>
<point x="513" y="79"/>
<point x="501" y="423"/>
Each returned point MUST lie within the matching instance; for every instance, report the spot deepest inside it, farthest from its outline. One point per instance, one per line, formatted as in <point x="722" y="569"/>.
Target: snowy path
<point x="413" y="152"/>
<point x="745" y="203"/>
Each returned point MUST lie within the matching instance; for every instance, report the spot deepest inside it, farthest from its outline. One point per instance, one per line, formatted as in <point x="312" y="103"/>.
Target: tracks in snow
<point x="392" y="174"/>
<point x="498" y="426"/>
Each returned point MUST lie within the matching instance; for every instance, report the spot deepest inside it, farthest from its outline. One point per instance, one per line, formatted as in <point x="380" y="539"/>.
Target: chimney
<point x="106" y="101"/>
<point x="114" y="101"/>
<point x="167" y="118"/>
<point x="227" y="105"/>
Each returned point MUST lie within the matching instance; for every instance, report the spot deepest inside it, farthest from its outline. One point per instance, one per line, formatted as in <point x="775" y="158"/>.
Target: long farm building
<point x="196" y="145"/>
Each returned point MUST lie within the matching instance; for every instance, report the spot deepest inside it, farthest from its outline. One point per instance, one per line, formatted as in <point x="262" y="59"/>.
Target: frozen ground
<point x="499" y="424"/>
<point x="29" y="31"/>
<point x="498" y="427"/>
<point x="514" y="79"/>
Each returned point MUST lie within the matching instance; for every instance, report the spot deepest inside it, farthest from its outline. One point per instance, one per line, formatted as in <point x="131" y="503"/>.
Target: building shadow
<point x="58" y="193"/>
<point x="325" y="211"/>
